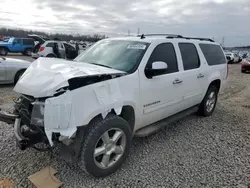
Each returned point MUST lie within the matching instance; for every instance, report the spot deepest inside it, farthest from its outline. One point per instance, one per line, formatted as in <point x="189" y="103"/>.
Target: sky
<point x="218" y="19"/>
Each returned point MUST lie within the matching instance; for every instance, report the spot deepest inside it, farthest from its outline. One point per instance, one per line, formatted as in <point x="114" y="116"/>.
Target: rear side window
<point x="190" y="57"/>
<point x="213" y="54"/>
<point x="28" y="42"/>
<point x="51" y="44"/>
<point x="164" y="52"/>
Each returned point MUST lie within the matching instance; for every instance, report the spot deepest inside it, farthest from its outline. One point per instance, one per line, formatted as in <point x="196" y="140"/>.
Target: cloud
<point x="204" y="18"/>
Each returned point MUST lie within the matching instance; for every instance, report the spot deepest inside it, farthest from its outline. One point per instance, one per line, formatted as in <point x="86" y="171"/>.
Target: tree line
<point x="66" y="37"/>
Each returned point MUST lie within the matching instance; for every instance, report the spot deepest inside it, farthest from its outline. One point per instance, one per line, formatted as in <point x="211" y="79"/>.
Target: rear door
<point x="192" y="75"/>
<point x="62" y="50"/>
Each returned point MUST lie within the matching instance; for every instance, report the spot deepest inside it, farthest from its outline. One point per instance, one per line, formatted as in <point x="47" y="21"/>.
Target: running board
<point x="152" y="128"/>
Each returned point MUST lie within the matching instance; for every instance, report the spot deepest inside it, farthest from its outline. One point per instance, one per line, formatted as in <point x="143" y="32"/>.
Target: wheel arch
<point x="17" y="73"/>
<point x="50" y="55"/>
<point x="216" y="83"/>
<point x="6" y="47"/>
<point x="127" y="113"/>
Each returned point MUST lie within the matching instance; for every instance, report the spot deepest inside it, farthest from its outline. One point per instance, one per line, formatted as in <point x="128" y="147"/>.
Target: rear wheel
<point x="208" y="104"/>
<point x="243" y="71"/>
<point x="28" y="52"/>
<point x="50" y="55"/>
<point x="106" y="146"/>
<point x="3" y="51"/>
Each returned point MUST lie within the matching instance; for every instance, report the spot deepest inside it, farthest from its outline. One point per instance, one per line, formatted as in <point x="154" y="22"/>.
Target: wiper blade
<point x="102" y="65"/>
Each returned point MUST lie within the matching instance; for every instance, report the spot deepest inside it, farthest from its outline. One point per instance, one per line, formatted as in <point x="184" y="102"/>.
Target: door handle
<point x="200" y="75"/>
<point x="177" y="81"/>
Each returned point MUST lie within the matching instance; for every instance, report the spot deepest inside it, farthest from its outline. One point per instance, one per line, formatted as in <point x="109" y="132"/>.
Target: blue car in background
<point x="17" y="45"/>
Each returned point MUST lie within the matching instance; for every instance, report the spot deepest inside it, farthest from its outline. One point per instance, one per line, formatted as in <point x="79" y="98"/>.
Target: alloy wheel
<point x="109" y="148"/>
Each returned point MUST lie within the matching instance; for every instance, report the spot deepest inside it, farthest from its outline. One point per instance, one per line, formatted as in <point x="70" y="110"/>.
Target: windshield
<point x="10" y="40"/>
<point x="116" y="54"/>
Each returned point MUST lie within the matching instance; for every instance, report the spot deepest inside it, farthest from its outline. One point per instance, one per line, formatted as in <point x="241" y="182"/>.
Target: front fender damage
<point x="75" y="108"/>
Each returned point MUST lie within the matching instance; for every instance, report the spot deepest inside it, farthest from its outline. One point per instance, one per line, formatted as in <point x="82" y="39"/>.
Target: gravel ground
<point x="193" y="152"/>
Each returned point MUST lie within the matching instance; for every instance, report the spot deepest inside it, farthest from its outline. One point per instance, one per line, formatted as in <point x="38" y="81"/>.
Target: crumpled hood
<point x="46" y="75"/>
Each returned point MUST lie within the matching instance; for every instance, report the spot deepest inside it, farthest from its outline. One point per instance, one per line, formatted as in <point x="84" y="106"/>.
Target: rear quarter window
<point x="50" y="44"/>
<point x="213" y="54"/>
<point x="28" y="42"/>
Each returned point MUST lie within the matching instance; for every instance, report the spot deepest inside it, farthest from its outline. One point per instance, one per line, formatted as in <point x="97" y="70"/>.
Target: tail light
<point x="41" y="48"/>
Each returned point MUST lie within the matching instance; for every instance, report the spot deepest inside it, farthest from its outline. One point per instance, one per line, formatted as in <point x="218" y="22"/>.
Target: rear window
<point x="213" y="54"/>
<point x="28" y="41"/>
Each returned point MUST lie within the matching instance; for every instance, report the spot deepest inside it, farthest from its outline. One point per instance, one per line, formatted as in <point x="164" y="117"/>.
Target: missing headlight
<point x="37" y="116"/>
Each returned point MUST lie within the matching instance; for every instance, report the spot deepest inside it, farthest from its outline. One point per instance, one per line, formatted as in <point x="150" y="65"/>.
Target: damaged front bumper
<point x="25" y="137"/>
<point x="26" y="134"/>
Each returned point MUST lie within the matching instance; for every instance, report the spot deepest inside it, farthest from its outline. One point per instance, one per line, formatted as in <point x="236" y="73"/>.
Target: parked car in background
<point x="39" y="40"/>
<point x="17" y="45"/>
<point x="245" y="65"/>
<point x="119" y="88"/>
<point x="57" y="49"/>
<point x="12" y="69"/>
<point x="232" y="57"/>
<point x="245" y="55"/>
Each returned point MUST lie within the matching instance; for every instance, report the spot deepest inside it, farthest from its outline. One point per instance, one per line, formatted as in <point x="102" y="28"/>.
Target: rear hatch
<point x="39" y="41"/>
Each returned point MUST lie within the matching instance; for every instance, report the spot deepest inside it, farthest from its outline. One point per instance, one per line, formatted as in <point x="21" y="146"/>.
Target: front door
<point x="18" y="45"/>
<point x="2" y="70"/>
<point x="161" y="95"/>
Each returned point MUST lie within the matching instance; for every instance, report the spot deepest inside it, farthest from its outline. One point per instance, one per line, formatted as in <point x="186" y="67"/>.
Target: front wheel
<point x="106" y="146"/>
<point x="208" y="104"/>
<point x="3" y="51"/>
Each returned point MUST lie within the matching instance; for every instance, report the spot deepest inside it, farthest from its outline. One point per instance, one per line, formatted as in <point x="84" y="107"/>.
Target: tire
<point x="95" y="134"/>
<point x="208" y="104"/>
<point x="18" y="76"/>
<point x="3" y="51"/>
<point x="28" y="52"/>
<point x="50" y="55"/>
<point x="243" y="71"/>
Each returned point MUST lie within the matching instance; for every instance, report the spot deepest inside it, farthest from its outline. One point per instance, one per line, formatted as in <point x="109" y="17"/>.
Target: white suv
<point x="117" y="89"/>
<point x="65" y="50"/>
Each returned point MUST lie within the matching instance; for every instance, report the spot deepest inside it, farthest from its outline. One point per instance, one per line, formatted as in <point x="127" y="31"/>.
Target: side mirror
<point x="158" y="67"/>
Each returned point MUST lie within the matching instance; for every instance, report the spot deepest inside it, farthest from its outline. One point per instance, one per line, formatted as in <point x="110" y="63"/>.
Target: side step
<point x="152" y="128"/>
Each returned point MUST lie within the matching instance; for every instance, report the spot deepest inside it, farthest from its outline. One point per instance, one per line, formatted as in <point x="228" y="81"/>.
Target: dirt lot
<point x="193" y="152"/>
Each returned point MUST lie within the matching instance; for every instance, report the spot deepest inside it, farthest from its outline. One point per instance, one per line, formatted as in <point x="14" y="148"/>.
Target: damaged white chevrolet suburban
<point x="117" y="89"/>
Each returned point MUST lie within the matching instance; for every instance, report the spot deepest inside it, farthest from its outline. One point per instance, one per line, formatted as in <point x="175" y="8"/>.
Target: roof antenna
<point x="142" y="36"/>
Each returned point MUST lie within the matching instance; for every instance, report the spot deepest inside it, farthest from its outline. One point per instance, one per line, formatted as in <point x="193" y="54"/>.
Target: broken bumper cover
<point x="25" y="137"/>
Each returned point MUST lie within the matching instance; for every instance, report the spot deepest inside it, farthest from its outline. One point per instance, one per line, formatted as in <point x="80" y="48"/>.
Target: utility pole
<point x="138" y="31"/>
<point x="223" y="42"/>
<point x="128" y="32"/>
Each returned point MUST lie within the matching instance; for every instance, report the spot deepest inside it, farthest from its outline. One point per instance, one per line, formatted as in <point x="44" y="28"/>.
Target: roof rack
<point x="167" y="35"/>
<point x="170" y="36"/>
<point x="205" y="39"/>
